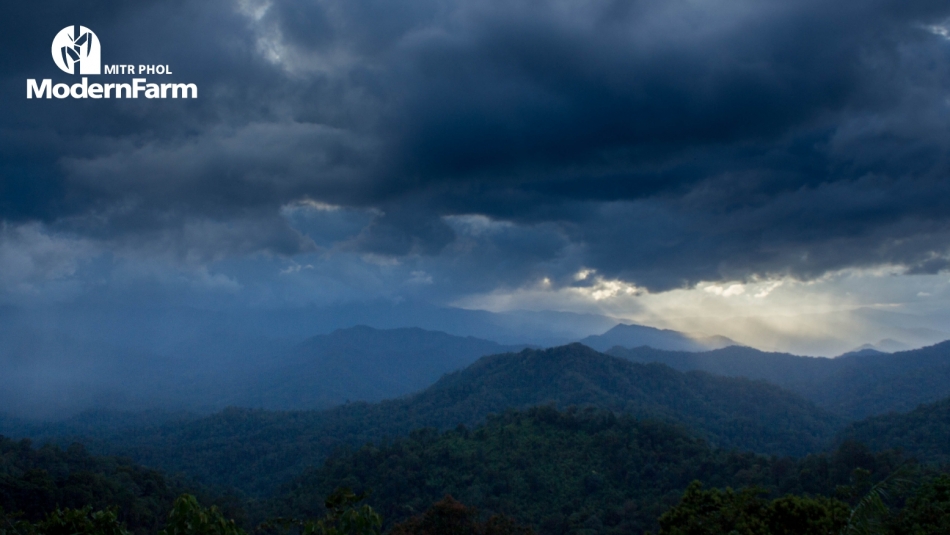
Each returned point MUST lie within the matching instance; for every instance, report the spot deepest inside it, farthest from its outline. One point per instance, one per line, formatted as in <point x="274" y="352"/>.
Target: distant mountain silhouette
<point x="886" y="345"/>
<point x="631" y="336"/>
<point x="60" y="360"/>
<point x="257" y="450"/>
<point x="855" y="385"/>
<point x="923" y="433"/>
<point x="361" y="364"/>
<point x="864" y="350"/>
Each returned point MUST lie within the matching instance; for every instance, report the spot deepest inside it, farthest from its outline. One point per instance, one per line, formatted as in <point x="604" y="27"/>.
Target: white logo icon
<point x="77" y="44"/>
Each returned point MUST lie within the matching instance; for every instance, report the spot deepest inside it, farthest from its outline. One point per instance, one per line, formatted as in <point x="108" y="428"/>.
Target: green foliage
<point x="82" y="521"/>
<point x="923" y="433"/>
<point x="746" y="512"/>
<point x="574" y="470"/>
<point x="188" y="517"/>
<point x="66" y="522"/>
<point x="897" y="505"/>
<point x="796" y="515"/>
<point x="927" y="512"/>
<point x="449" y="516"/>
<point x="39" y="481"/>
<point x="344" y="517"/>
<point x="873" y="511"/>
<point x="560" y="471"/>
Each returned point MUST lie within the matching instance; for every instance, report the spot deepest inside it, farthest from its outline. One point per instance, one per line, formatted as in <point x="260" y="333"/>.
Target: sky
<point x="771" y="171"/>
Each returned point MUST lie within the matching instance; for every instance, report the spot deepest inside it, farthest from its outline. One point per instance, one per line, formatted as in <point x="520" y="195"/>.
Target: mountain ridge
<point x="634" y="335"/>
<point x="923" y="433"/>
<point x="257" y="450"/>
<point x="855" y="386"/>
<point x="361" y="363"/>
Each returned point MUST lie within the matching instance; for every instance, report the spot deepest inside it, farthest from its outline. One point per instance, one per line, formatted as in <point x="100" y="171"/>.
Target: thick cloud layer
<point x="441" y="148"/>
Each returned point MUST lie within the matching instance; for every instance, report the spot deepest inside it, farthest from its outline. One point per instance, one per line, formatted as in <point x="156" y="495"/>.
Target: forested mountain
<point x="789" y="371"/>
<point x="257" y="450"/>
<point x="586" y="471"/>
<point x="360" y="364"/>
<point x="583" y="471"/>
<point x="905" y="505"/>
<point x="877" y="384"/>
<point x="36" y="481"/>
<point x="923" y="433"/>
<point x="854" y="386"/>
<point x="90" y="424"/>
<point x="731" y="412"/>
<point x="640" y="335"/>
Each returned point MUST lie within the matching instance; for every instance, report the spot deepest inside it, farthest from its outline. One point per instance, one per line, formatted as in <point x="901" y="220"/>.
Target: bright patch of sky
<point x="827" y="316"/>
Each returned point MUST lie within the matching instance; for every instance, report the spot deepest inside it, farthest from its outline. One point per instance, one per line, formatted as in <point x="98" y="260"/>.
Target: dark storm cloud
<point x="661" y="142"/>
<point x="805" y="234"/>
<point x="525" y="92"/>
<point x="57" y="130"/>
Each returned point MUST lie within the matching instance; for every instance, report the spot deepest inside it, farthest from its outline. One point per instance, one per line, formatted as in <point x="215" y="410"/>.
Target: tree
<point x="344" y="517"/>
<point x="746" y="512"/>
<point x="928" y="511"/>
<point x="448" y="515"/>
<point x="66" y="522"/>
<point x="188" y="517"/>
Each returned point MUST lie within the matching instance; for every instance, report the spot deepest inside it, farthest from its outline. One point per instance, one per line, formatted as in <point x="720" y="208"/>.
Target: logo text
<point x="139" y="86"/>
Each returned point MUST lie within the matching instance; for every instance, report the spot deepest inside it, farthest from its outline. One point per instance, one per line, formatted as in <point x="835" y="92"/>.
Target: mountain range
<point x="923" y="433"/>
<point x="626" y="335"/>
<point x="359" y="364"/>
<point x="56" y="375"/>
<point x="62" y="362"/>
<point x="403" y="379"/>
<point x="257" y="450"/>
<point x="854" y="386"/>
<point x="579" y="472"/>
